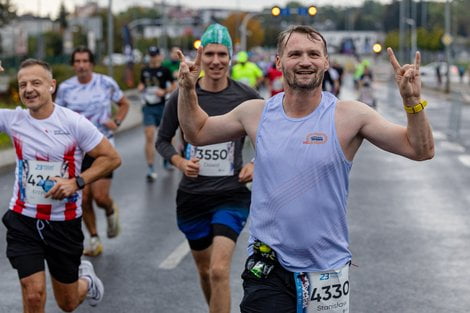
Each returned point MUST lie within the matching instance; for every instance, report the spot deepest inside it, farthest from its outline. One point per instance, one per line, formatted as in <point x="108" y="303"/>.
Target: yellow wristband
<point x="416" y="108"/>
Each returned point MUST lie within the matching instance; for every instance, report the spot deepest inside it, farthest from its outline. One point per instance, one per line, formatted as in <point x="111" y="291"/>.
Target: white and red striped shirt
<point x="45" y="148"/>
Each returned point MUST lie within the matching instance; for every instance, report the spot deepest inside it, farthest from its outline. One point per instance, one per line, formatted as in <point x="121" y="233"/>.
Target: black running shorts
<point x="30" y="242"/>
<point x="87" y="162"/>
<point x="275" y="293"/>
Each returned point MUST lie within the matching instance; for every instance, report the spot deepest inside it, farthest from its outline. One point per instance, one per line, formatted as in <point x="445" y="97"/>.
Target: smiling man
<point x="306" y="141"/>
<point x="44" y="218"/>
<point x="212" y="201"/>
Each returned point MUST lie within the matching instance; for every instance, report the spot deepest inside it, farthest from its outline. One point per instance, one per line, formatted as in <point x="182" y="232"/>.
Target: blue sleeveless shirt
<point x="300" y="188"/>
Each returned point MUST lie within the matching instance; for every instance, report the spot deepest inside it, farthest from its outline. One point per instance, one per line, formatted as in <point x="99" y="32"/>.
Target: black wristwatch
<point x="118" y="122"/>
<point x="80" y="182"/>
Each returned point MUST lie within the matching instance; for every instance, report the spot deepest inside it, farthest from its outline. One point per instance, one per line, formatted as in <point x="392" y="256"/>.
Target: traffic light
<point x="312" y="10"/>
<point x="377" y="48"/>
<point x="276" y="11"/>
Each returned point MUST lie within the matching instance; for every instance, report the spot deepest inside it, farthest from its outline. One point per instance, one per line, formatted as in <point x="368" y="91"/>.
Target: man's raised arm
<point x="419" y="131"/>
<point x="190" y="114"/>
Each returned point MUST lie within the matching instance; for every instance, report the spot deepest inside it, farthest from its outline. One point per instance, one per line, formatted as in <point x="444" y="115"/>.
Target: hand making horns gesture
<point x="189" y="71"/>
<point x="407" y="78"/>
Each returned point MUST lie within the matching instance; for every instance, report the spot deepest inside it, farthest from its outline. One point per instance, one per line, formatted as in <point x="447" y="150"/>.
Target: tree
<point x="54" y="43"/>
<point x="254" y="29"/>
<point x="7" y="12"/>
<point x="62" y="18"/>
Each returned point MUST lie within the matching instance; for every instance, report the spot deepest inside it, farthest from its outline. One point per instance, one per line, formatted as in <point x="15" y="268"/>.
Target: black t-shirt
<point x="213" y="103"/>
<point x="156" y="77"/>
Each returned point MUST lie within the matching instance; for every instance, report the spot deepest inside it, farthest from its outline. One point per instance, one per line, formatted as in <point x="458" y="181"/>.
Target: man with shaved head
<point x="44" y="220"/>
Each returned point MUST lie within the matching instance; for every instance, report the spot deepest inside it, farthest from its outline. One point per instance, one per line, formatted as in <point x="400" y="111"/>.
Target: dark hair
<point x="81" y="49"/>
<point x="32" y="62"/>
<point x="313" y="34"/>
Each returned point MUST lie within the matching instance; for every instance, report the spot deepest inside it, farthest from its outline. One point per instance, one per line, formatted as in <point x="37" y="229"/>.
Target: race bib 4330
<point x="326" y="292"/>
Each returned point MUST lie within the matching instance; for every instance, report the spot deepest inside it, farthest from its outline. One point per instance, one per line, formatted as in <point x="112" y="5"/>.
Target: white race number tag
<point x="329" y="291"/>
<point x="150" y="95"/>
<point x="36" y="171"/>
<point x="215" y="160"/>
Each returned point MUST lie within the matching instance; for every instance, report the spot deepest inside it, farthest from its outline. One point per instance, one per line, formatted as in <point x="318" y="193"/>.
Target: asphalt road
<point x="409" y="231"/>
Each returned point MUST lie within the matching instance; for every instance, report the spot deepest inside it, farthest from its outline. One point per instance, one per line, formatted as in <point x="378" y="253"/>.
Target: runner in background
<point x="92" y="95"/>
<point x="213" y="201"/>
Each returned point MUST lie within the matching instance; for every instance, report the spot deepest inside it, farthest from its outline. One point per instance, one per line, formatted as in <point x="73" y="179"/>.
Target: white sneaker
<point x="95" y="248"/>
<point x="95" y="287"/>
<point x="113" y="223"/>
<point x="151" y="177"/>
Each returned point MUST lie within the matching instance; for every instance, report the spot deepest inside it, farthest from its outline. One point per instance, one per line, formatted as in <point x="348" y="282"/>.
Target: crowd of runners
<point x="297" y="209"/>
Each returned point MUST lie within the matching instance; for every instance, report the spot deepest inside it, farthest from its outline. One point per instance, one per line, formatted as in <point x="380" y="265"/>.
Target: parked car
<point x="120" y="59"/>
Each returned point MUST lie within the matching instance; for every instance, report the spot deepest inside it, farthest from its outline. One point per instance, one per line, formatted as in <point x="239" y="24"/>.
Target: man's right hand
<point x="189" y="71"/>
<point x="189" y="168"/>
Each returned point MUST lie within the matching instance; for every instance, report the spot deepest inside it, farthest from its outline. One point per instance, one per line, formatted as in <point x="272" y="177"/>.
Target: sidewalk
<point x="133" y="119"/>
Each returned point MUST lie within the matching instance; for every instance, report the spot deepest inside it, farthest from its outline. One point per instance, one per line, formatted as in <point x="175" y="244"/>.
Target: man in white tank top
<point x="295" y="266"/>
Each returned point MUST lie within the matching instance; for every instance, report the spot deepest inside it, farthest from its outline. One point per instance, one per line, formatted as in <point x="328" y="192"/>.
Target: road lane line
<point x="175" y="257"/>
<point x="465" y="159"/>
<point x="451" y="146"/>
<point x="439" y="135"/>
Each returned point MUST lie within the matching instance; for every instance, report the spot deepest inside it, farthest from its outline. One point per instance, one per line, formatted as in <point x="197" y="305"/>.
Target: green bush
<point x="5" y="141"/>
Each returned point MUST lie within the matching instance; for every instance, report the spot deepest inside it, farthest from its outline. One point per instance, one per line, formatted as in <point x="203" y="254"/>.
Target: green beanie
<point x="219" y="34"/>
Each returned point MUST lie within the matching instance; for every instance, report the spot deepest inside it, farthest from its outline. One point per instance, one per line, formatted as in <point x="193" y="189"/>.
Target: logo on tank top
<point x="315" y="138"/>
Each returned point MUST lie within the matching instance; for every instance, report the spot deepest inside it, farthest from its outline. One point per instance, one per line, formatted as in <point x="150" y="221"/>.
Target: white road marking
<point x="439" y="135"/>
<point x="175" y="257"/>
<point x="465" y="159"/>
<point x="451" y="146"/>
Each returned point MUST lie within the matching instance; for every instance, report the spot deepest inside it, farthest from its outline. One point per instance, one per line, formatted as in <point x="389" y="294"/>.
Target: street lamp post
<point x="244" y="29"/>
<point x="110" y="38"/>
<point x="414" y="38"/>
<point x="447" y="43"/>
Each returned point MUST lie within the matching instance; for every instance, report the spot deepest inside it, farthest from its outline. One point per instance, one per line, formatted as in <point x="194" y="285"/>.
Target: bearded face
<point x="303" y="62"/>
<point x="303" y="78"/>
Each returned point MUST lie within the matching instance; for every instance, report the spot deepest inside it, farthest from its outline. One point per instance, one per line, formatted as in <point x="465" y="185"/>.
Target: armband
<point x="416" y="108"/>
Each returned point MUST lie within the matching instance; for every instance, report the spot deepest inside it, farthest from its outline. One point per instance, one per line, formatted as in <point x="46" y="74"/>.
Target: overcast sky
<point x="51" y="7"/>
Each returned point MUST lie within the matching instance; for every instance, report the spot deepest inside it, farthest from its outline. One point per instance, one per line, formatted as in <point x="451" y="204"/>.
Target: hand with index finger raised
<point x="189" y="71"/>
<point x="407" y="78"/>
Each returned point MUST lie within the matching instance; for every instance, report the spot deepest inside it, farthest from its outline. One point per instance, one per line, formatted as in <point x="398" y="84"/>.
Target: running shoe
<point x="167" y="165"/>
<point x="151" y="177"/>
<point x="113" y="223"/>
<point x="95" y="287"/>
<point x="95" y="248"/>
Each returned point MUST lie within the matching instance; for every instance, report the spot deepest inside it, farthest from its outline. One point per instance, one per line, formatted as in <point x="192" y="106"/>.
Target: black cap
<point x="153" y="51"/>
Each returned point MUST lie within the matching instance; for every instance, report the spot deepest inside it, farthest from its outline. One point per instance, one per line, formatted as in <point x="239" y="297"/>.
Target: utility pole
<point x="110" y="38"/>
<point x="164" y="43"/>
<point x="401" y="23"/>
<point x="447" y="43"/>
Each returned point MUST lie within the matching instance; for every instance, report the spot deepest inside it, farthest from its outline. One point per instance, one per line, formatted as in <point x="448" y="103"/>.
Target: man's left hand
<point x="408" y="78"/>
<point x="246" y="173"/>
<point x="63" y="188"/>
